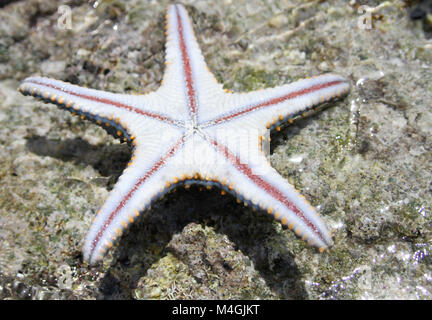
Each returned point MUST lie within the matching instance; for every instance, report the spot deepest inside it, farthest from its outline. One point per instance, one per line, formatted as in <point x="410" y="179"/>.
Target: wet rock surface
<point x="364" y="161"/>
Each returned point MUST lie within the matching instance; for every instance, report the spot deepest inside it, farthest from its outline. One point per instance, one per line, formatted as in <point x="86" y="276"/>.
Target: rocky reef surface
<point x="364" y="161"/>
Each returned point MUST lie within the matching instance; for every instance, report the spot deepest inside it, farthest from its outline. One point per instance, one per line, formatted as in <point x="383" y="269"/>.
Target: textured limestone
<point x="365" y="161"/>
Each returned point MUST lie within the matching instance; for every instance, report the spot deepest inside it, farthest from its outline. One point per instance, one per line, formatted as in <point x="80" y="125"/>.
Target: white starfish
<point x="191" y="131"/>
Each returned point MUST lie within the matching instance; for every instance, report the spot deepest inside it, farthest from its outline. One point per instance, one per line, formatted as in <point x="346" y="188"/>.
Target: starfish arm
<point x="186" y="75"/>
<point x="103" y="107"/>
<point x="144" y="180"/>
<point x="272" y="106"/>
<point x="249" y="176"/>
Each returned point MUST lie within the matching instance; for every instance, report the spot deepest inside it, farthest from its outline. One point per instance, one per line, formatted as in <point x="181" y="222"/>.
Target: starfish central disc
<point x="192" y="127"/>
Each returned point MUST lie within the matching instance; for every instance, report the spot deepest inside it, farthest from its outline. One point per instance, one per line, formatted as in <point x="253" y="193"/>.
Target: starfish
<point x="192" y="131"/>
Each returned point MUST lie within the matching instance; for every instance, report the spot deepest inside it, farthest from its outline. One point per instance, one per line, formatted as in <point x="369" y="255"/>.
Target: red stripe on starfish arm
<point x="274" y="101"/>
<point x="131" y="192"/>
<point x="186" y="62"/>
<point x="107" y="101"/>
<point x="264" y="185"/>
